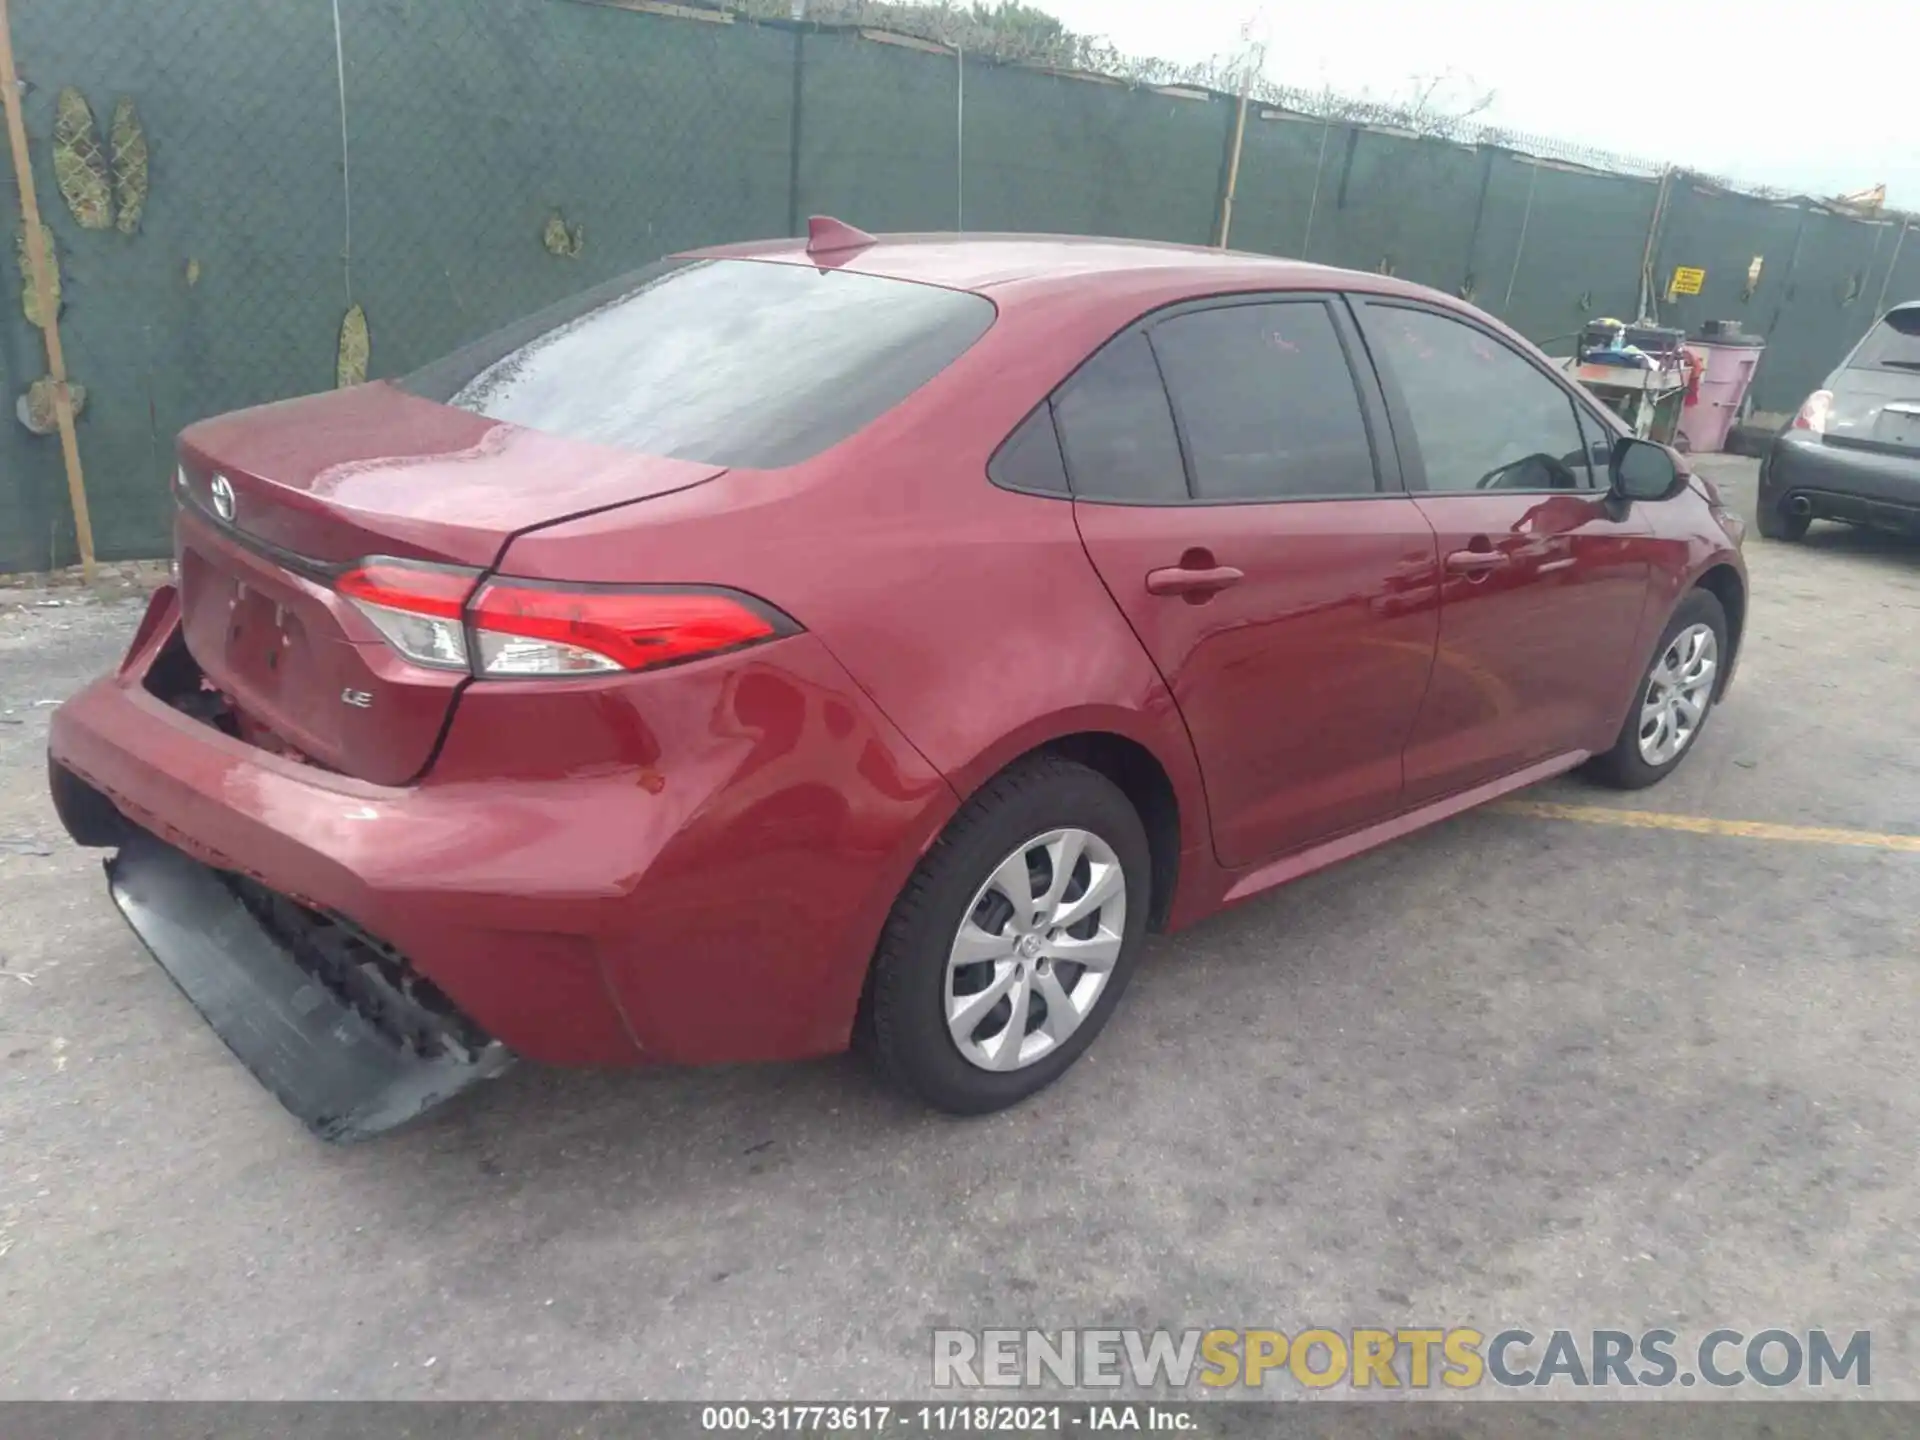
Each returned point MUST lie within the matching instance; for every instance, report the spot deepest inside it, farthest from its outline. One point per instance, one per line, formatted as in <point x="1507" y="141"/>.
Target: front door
<point x="1544" y="577"/>
<point x="1248" y="531"/>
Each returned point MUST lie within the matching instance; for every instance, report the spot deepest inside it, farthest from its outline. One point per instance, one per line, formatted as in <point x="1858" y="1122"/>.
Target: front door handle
<point x="1560" y="549"/>
<point x="1193" y="583"/>
<point x="1474" y="562"/>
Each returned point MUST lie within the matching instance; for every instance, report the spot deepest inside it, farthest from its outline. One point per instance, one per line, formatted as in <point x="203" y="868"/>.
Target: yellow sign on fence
<point x="1687" y="280"/>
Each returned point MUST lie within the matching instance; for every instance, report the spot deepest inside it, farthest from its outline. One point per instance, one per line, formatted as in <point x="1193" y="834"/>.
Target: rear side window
<point x="727" y="362"/>
<point x="1030" y="457"/>
<point x="1266" y="402"/>
<point x="1116" y="429"/>
<point x="1893" y="344"/>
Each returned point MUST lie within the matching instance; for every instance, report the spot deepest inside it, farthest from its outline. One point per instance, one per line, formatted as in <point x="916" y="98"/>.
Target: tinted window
<point x="731" y="362"/>
<point x="1029" y="459"/>
<point x="1485" y="419"/>
<point x="1266" y="402"/>
<point x="1893" y="344"/>
<point x="1116" y="429"/>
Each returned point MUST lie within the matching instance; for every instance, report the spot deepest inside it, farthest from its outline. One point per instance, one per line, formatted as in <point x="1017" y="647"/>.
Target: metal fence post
<point x="793" y="126"/>
<point x="37" y="259"/>
<point x="1313" y="200"/>
<point x="1787" y="288"/>
<point x="1520" y="245"/>
<point x="1880" y="305"/>
<point x="1647" y="312"/>
<point x="1233" y="161"/>
<point x="959" y="138"/>
<point x="1470" y="282"/>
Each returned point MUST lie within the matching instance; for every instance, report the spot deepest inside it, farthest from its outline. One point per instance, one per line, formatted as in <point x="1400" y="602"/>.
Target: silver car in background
<point x="1853" y="451"/>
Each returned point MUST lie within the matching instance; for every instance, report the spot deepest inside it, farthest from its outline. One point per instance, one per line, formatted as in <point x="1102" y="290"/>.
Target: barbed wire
<point x="1019" y="35"/>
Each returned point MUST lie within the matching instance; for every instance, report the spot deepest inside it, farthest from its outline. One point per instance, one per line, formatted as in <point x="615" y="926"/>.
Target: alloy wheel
<point x="1678" y="692"/>
<point x="1035" y="949"/>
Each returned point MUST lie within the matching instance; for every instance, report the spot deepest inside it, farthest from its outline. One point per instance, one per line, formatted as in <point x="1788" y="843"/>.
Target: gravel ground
<point x="1510" y="1071"/>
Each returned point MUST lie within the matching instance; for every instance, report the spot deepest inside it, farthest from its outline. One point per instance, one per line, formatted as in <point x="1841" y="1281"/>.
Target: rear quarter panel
<point x="969" y="614"/>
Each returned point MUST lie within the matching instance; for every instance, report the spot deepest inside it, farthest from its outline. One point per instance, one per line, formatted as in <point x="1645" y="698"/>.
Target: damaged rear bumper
<point x="337" y="1025"/>
<point x="462" y="885"/>
<point x="569" y="875"/>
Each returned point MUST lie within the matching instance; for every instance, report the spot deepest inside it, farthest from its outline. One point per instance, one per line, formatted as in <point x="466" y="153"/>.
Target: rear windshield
<point x="726" y="362"/>
<point x="1893" y="344"/>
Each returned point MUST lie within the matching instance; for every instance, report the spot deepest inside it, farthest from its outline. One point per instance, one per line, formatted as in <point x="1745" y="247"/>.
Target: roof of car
<point x="993" y="262"/>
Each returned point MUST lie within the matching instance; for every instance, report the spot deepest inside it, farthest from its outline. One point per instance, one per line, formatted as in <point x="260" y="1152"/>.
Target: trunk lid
<point x="1876" y="409"/>
<point x="375" y="471"/>
<point x="277" y="500"/>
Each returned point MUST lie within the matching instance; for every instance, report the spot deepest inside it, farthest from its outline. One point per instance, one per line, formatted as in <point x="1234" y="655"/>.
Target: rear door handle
<point x="1179" y="580"/>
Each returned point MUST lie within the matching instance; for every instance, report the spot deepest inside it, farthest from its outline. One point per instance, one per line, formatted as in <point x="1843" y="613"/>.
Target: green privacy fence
<point x="498" y="154"/>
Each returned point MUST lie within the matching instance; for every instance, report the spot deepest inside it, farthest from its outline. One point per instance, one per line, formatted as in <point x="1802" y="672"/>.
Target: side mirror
<point x="1643" y="470"/>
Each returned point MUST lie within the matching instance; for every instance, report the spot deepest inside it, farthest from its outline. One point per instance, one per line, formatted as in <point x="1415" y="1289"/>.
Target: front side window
<point x="727" y="362"/>
<point x="1599" y="448"/>
<point x="1267" y="402"/>
<point x="1485" y="419"/>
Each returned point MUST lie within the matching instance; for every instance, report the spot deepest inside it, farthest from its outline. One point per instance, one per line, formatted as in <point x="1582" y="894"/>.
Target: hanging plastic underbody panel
<point x="336" y="1024"/>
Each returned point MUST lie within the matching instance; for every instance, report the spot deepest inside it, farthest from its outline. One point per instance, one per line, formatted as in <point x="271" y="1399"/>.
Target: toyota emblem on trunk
<point x="222" y="491"/>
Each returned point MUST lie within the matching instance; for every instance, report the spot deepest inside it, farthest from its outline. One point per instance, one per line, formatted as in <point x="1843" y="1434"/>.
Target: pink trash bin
<point x="1730" y="358"/>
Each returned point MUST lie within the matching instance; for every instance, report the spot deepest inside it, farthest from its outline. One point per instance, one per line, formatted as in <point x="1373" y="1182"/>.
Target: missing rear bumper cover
<point x="343" y="1031"/>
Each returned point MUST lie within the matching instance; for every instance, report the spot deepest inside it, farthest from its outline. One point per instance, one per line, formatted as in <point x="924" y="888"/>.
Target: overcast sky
<point x="1814" y="96"/>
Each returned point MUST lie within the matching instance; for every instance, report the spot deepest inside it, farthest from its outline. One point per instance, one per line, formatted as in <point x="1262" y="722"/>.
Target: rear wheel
<point x="1010" y="946"/>
<point x="1776" y="524"/>
<point x="1675" y="697"/>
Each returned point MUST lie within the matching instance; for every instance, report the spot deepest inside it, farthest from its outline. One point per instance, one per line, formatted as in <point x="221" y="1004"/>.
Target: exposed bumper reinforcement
<point x="320" y="1014"/>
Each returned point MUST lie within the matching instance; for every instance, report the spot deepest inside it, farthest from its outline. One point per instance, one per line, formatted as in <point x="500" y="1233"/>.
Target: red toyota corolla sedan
<point x="804" y="640"/>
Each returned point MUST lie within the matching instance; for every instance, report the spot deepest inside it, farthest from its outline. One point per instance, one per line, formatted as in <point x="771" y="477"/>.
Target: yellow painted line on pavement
<point x="1704" y="825"/>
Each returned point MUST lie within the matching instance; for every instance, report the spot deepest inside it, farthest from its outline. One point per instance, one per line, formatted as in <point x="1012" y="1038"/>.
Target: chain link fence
<point x="445" y="168"/>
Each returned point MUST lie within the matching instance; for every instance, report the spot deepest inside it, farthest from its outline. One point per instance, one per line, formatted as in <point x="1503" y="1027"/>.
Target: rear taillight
<point x="527" y="628"/>
<point x="1813" y="414"/>
<point x="517" y="628"/>
<point x="417" y="607"/>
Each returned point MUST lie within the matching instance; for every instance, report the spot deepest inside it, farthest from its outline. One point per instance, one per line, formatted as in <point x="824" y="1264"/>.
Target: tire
<point x="920" y="974"/>
<point x="1776" y="524"/>
<point x="1634" y="765"/>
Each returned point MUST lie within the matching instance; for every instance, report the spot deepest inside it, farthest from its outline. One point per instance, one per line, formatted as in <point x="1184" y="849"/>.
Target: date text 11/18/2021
<point x="945" y="1419"/>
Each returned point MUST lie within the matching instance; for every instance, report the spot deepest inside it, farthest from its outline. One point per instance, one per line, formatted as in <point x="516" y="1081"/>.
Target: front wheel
<point x="1675" y="697"/>
<point x="1010" y="946"/>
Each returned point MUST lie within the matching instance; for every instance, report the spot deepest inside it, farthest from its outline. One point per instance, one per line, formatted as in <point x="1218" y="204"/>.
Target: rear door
<point x="1544" y="578"/>
<point x="1236" y="487"/>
